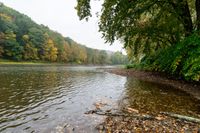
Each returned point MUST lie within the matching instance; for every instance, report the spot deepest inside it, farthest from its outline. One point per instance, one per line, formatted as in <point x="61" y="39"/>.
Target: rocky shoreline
<point x="134" y="121"/>
<point x="131" y="125"/>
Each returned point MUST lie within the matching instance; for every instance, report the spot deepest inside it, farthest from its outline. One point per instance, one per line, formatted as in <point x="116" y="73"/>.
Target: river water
<point x="47" y="98"/>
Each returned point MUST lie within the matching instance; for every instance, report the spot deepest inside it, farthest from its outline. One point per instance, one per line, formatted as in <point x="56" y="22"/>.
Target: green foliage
<point x="30" y="52"/>
<point x="83" y="9"/>
<point x="144" y="26"/>
<point x="37" y="37"/>
<point x="49" y="51"/>
<point x="23" y="39"/>
<point x="157" y="34"/>
<point x="118" y="57"/>
<point x="103" y="57"/>
<point x="182" y="59"/>
<point x="12" y="49"/>
<point x="129" y="66"/>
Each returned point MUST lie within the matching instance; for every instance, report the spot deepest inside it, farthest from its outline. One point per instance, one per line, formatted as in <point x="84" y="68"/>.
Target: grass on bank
<point x="11" y="62"/>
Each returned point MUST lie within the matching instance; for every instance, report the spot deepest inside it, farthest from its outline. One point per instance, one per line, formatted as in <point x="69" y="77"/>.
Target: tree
<point x="37" y="37"/>
<point x="145" y="25"/>
<point x="82" y="55"/>
<point x="64" y="53"/>
<point x="103" y="57"/>
<point x="11" y="47"/>
<point x="6" y="23"/>
<point x="23" y="39"/>
<point x="91" y="56"/>
<point x="118" y="58"/>
<point x="1" y="51"/>
<point x="30" y="52"/>
<point x="49" y="51"/>
<point x="198" y="13"/>
<point x="96" y="57"/>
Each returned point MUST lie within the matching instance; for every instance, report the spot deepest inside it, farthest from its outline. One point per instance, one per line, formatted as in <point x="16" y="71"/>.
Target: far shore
<point x="43" y="63"/>
<point x="7" y="63"/>
<point x="11" y="62"/>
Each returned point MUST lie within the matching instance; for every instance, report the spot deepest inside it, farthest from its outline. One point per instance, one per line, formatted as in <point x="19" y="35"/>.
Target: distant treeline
<point x="21" y="39"/>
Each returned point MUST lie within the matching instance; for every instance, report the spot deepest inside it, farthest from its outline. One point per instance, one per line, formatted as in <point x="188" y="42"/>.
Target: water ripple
<point x="39" y="98"/>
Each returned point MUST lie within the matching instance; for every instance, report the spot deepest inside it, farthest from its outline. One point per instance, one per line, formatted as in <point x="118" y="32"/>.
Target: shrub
<point x="182" y="59"/>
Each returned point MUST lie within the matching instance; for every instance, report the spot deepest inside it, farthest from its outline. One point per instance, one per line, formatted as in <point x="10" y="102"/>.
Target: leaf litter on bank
<point x="131" y="120"/>
<point x="131" y="124"/>
<point x="118" y="122"/>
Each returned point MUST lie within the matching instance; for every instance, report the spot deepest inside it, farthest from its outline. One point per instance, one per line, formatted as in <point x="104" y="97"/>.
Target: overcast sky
<point x="60" y="15"/>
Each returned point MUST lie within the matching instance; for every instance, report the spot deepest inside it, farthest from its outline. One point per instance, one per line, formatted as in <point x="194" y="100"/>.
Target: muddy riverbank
<point x="155" y="77"/>
<point x="132" y="120"/>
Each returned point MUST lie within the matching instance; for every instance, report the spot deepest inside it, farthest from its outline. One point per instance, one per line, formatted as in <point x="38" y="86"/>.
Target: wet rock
<point x="91" y="112"/>
<point x="99" y="105"/>
<point x="131" y="124"/>
<point x="100" y="127"/>
<point x="131" y="110"/>
<point x="59" y="129"/>
<point x="65" y="128"/>
<point x="160" y="117"/>
<point x="127" y="119"/>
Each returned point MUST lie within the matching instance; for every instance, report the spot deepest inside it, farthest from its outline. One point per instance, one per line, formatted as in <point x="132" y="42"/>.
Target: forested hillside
<point x="21" y="39"/>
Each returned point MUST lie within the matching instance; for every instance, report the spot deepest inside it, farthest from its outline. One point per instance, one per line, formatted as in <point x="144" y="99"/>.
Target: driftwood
<point x="182" y="117"/>
<point x="143" y="117"/>
<point x="137" y="116"/>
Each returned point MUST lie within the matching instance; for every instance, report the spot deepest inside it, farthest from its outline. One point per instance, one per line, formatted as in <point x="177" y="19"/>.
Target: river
<point x="46" y="98"/>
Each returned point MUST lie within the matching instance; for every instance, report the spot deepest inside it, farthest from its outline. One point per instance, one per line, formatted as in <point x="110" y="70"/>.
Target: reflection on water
<point x="39" y="98"/>
<point x="155" y="98"/>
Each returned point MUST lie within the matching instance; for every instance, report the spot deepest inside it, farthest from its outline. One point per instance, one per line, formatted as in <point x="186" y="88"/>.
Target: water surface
<point x="42" y="98"/>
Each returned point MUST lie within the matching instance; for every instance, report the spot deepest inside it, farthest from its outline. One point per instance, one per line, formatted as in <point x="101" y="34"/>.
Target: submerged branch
<point x="182" y="117"/>
<point x="144" y="117"/>
<point x="137" y="116"/>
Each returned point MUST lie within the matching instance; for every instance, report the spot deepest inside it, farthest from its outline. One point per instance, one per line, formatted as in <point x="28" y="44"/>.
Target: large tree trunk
<point x="181" y="7"/>
<point x="186" y="17"/>
<point x="198" y="13"/>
